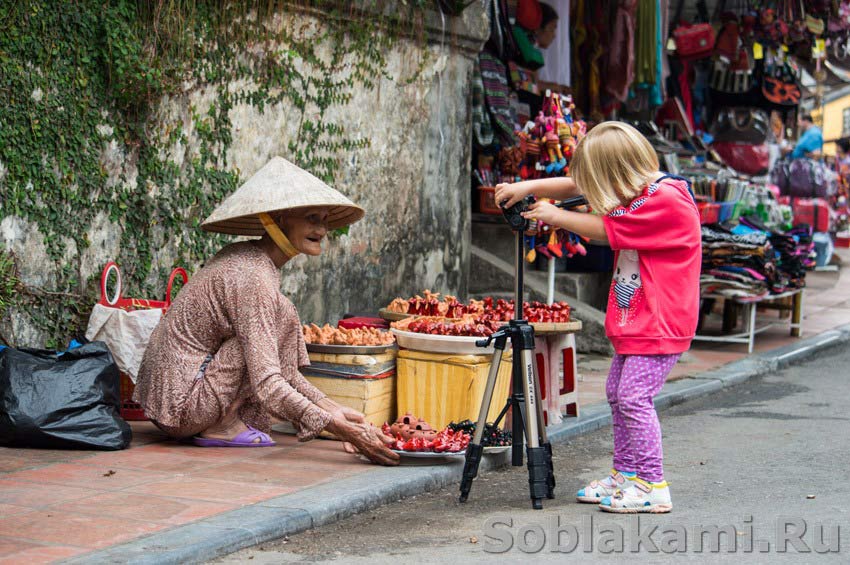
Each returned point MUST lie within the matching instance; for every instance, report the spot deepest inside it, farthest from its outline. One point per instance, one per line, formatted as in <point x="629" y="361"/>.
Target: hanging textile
<point x="578" y="38"/>
<point x="657" y="92"/>
<point x="621" y="55"/>
<point x="482" y="126"/>
<point x="494" y="75"/>
<point x="664" y="65"/>
<point x="556" y="57"/>
<point x="645" y="42"/>
<point x="597" y="45"/>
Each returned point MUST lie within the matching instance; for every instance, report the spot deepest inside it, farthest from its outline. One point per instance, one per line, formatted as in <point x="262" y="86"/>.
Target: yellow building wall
<point x="831" y="118"/>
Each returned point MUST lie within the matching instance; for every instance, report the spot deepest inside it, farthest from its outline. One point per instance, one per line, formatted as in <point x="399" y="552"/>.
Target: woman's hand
<point x="338" y="410"/>
<point x="365" y="439"/>
<point x="545" y="212"/>
<point x="352" y="415"/>
<point x="509" y="194"/>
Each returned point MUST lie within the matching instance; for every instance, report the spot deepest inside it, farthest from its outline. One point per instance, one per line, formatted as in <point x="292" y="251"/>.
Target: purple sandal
<point x="244" y="439"/>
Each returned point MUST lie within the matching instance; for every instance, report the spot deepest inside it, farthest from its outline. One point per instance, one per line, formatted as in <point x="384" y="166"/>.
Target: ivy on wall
<point x="78" y="78"/>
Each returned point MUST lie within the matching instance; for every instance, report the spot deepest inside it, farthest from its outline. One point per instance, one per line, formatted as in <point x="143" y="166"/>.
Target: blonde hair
<point x="612" y="164"/>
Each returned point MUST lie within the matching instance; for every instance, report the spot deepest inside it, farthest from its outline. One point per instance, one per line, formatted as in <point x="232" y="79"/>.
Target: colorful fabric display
<point x="494" y="75"/>
<point x="752" y="261"/>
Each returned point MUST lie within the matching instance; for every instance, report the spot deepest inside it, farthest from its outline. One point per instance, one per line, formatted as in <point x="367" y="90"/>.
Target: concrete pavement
<point x="761" y="461"/>
<point x="165" y="502"/>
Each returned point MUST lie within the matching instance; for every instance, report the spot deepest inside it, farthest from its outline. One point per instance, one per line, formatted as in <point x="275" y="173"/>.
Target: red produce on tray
<point x="446" y="441"/>
<point x="489" y="315"/>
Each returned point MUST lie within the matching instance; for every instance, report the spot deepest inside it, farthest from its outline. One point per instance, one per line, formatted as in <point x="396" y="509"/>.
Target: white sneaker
<point x="597" y="490"/>
<point x="641" y="496"/>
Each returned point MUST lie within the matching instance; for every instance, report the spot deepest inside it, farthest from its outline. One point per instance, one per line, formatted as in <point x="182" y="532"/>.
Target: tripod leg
<point x="517" y="407"/>
<point x="538" y="467"/>
<point x="544" y="440"/>
<point x="475" y="449"/>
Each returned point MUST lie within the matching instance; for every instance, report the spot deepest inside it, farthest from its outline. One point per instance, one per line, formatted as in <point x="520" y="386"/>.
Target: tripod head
<point x="513" y="215"/>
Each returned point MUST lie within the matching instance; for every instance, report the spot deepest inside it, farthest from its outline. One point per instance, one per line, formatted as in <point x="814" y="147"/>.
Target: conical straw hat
<point x="279" y="185"/>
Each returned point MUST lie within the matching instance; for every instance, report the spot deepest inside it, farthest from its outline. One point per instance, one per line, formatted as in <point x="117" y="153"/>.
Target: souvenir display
<point x="414" y="434"/>
<point x="450" y="317"/>
<point x="329" y="335"/>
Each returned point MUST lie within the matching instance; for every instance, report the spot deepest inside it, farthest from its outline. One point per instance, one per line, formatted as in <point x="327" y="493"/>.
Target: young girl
<point x="652" y="221"/>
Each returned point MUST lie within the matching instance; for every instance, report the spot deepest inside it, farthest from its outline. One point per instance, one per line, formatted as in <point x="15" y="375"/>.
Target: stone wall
<point x="412" y="181"/>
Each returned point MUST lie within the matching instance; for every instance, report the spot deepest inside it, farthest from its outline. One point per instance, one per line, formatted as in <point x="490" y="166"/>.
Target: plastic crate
<point x="709" y="212"/>
<point x="130" y="410"/>
<point x="725" y="211"/>
<point x="448" y="387"/>
<point x="487" y="200"/>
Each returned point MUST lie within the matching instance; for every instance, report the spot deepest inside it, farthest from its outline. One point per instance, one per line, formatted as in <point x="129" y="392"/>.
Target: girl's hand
<point x="509" y="194"/>
<point x="545" y="212"/>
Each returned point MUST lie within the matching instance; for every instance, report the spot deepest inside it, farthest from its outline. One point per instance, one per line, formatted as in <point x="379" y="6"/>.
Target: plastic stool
<point x="562" y="351"/>
<point x="557" y="368"/>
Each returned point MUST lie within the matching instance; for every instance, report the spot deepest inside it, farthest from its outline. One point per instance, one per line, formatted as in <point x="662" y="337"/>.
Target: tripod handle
<point x="573" y="202"/>
<point x="500" y="337"/>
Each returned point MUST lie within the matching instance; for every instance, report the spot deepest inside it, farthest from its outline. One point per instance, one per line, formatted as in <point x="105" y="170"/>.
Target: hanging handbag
<point x="779" y="84"/>
<point x="747" y="158"/>
<point x="742" y="125"/>
<point x="732" y="70"/>
<point x="804" y="178"/>
<point x="734" y="78"/>
<point x="693" y="41"/>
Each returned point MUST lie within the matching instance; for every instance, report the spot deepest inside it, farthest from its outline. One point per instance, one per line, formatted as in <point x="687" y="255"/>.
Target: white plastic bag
<point x="125" y="333"/>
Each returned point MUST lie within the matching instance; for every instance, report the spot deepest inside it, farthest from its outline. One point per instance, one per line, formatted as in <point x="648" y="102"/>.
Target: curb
<point x="323" y="504"/>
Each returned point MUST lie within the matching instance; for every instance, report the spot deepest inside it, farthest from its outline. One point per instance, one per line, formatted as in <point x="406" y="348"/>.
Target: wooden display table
<point x="749" y="306"/>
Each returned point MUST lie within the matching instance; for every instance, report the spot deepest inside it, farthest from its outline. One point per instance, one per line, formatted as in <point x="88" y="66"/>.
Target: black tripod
<point x="527" y="412"/>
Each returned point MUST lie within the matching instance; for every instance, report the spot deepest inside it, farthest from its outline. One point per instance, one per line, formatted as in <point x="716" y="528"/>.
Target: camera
<point x="513" y="215"/>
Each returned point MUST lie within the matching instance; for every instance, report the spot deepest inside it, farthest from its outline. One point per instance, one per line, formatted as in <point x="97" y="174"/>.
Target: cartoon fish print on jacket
<point x="626" y="282"/>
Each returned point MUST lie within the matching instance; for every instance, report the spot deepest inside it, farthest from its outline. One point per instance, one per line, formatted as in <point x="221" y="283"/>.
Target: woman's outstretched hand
<point x="352" y="415"/>
<point x="365" y="439"/>
<point x="338" y="410"/>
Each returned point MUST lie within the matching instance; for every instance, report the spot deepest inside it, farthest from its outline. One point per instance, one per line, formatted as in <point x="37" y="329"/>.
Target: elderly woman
<point x="226" y="357"/>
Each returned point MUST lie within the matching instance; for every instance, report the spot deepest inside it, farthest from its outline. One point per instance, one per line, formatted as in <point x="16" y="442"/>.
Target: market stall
<point x="441" y="371"/>
<point x="417" y="372"/>
<point x="754" y="258"/>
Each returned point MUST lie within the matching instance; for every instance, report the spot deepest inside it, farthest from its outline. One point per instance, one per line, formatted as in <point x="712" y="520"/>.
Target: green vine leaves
<point x="84" y="133"/>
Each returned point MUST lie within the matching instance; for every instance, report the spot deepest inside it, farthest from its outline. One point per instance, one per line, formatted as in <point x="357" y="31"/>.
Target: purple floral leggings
<point x="632" y="383"/>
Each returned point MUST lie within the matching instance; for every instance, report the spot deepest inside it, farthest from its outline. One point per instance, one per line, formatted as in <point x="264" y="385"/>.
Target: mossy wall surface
<point x="123" y="125"/>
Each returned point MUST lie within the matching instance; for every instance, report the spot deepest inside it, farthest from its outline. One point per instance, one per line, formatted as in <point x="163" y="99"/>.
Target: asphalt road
<point x="754" y="460"/>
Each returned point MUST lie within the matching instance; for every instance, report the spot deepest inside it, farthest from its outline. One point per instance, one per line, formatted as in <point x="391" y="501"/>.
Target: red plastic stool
<point x="557" y="369"/>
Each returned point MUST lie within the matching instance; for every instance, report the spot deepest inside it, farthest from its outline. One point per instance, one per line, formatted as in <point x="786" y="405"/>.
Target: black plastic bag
<point x="67" y="400"/>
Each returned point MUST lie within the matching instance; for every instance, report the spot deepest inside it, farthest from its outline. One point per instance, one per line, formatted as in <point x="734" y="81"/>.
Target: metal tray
<point x="430" y="454"/>
<point x="349" y="349"/>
